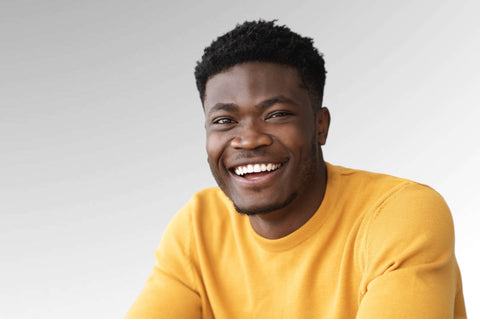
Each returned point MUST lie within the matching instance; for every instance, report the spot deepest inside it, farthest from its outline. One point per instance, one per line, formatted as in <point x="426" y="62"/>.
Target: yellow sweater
<point x="378" y="247"/>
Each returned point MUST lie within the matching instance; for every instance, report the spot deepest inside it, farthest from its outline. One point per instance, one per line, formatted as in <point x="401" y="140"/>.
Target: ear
<point x="323" y="123"/>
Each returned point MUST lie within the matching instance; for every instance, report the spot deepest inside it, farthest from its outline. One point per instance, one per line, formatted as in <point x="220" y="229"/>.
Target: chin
<point x="264" y="209"/>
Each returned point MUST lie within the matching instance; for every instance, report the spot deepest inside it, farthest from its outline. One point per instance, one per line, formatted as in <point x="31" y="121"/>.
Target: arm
<point x="409" y="264"/>
<point x="170" y="291"/>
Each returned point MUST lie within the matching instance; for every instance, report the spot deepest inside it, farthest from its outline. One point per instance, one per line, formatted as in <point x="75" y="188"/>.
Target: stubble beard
<point x="308" y="175"/>
<point x="267" y="209"/>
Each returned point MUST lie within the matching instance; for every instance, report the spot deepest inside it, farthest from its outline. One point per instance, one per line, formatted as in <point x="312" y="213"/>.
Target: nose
<point x="251" y="136"/>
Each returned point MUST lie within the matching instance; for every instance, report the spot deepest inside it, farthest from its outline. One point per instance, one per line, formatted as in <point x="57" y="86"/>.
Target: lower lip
<point x="257" y="179"/>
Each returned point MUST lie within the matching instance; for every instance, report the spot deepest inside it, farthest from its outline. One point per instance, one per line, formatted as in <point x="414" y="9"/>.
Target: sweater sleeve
<point x="408" y="259"/>
<point x="170" y="291"/>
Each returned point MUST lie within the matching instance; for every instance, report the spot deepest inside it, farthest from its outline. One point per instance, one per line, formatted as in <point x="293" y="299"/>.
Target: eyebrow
<point x="274" y="100"/>
<point x="232" y="107"/>
<point x="229" y="107"/>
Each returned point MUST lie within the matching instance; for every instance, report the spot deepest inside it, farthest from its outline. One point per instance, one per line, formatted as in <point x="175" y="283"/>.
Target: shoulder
<point x="207" y="203"/>
<point x="209" y="198"/>
<point x="373" y="184"/>
<point x="411" y="225"/>
<point x="388" y="196"/>
<point x="205" y="209"/>
<point x="397" y="216"/>
<point x="416" y="207"/>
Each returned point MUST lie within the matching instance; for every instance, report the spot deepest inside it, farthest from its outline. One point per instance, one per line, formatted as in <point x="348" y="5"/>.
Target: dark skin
<point x="260" y="114"/>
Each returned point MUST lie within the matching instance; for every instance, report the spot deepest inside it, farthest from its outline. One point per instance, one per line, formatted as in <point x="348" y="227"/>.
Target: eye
<point x="278" y="114"/>
<point x="222" y="120"/>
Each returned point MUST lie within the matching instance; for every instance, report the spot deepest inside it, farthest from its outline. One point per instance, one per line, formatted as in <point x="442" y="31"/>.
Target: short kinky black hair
<point x="263" y="41"/>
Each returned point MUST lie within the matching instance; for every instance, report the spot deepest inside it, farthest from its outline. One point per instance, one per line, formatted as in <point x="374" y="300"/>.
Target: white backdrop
<point x="101" y="128"/>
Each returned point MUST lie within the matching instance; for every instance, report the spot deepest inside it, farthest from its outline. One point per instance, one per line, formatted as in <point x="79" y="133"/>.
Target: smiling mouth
<point x="243" y="170"/>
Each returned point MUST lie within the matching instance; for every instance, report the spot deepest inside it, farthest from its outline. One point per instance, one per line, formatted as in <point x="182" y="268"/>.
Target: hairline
<point x="314" y="97"/>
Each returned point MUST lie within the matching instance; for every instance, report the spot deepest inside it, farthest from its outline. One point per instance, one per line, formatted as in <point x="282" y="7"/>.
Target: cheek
<point x="214" y="147"/>
<point x="296" y="137"/>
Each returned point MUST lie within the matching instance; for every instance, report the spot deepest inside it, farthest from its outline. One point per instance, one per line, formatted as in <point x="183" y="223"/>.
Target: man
<point x="287" y="235"/>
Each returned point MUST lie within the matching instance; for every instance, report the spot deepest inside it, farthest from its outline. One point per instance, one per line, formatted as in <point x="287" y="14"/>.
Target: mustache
<point x="247" y="154"/>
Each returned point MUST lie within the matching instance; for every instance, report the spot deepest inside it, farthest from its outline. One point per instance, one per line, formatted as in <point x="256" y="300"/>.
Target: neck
<point x="285" y="221"/>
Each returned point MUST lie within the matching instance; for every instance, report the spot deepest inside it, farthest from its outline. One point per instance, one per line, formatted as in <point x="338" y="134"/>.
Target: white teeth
<point x="256" y="168"/>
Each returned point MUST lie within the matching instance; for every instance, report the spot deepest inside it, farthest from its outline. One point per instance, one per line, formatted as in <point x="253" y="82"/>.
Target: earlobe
<point x="323" y="123"/>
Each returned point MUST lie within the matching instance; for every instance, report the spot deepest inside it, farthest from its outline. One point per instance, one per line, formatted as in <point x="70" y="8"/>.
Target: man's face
<point x="263" y="136"/>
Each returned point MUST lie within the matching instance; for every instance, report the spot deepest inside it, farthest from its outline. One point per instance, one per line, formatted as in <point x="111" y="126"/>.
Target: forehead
<point x="253" y="82"/>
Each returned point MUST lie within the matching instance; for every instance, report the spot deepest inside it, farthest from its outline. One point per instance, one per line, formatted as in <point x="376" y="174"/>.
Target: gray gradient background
<point x="102" y="141"/>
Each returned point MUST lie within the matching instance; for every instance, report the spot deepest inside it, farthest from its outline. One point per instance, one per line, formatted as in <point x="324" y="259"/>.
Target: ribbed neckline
<point x="310" y="227"/>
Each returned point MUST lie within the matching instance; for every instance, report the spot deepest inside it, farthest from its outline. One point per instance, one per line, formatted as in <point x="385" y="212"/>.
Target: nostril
<point x="251" y="141"/>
